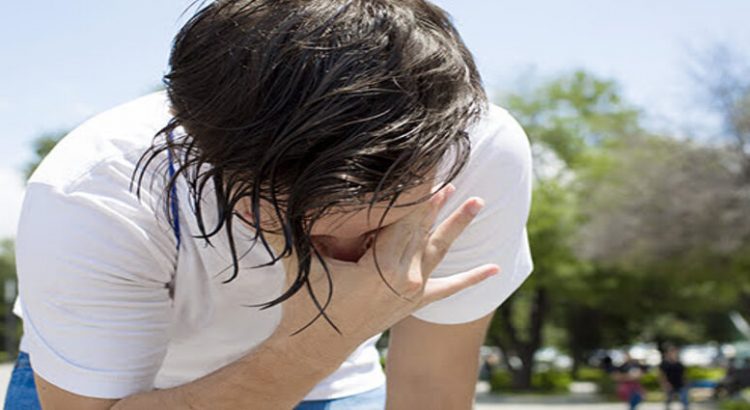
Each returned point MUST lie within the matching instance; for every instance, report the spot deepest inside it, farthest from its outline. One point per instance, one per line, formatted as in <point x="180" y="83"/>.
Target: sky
<point x="62" y="62"/>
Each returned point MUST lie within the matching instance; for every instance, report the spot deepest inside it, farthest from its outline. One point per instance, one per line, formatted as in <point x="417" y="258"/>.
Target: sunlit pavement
<point x="491" y="402"/>
<point x="5" y="370"/>
<point x="581" y="406"/>
<point x="583" y="398"/>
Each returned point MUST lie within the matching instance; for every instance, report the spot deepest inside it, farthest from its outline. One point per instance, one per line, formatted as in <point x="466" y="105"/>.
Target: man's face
<point x="346" y="235"/>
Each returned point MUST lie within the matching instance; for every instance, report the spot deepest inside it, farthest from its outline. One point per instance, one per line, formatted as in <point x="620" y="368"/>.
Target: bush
<point x="650" y="380"/>
<point x="603" y="380"/>
<point x="591" y="374"/>
<point x="734" y="405"/>
<point x="607" y="387"/>
<point x="694" y="373"/>
<point x="551" y="381"/>
<point x="547" y="381"/>
<point x="501" y="381"/>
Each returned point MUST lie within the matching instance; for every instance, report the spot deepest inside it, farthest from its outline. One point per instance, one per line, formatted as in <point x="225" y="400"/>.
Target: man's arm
<point x="280" y="372"/>
<point x="433" y="366"/>
<point x="276" y="375"/>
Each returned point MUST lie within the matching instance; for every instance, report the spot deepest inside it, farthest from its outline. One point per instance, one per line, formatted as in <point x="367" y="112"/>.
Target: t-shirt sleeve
<point x="500" y="173"/>
<point x="94" y="269"/>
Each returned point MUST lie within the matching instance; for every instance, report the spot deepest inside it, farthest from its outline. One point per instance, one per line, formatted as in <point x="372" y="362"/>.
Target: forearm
<point x="276" y="375"/>
<point x="452" y="391"/>
<point x="433" y="366"/>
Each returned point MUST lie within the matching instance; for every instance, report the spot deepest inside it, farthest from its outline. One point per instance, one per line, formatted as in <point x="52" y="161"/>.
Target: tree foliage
<point x="42" y="146"/>
<point x="566" y="119"/>
<point x="635" y="236"/>
<point x="7" y="260"/>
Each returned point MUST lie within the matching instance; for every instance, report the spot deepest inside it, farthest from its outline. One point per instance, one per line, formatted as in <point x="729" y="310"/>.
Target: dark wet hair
<point x="311" y="105"/>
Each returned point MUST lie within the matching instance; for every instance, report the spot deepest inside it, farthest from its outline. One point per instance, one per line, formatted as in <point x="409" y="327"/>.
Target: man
<point x="316" y="177"/>
<point x="672" y="377"/>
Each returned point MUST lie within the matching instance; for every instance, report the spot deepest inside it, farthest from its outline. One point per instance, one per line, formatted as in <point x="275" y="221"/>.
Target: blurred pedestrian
<point x="672" y="377"/>
<point x="489" y="365"/>
<point x="628" y="378"/>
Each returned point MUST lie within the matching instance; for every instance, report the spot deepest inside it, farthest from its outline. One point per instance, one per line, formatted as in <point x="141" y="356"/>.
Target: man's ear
<point x="268" y="220"/>
<point x="243" y="209"/>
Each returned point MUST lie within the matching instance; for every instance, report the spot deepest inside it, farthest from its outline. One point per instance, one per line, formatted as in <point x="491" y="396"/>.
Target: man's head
<point x="314" y="106"/>
<point x="672" y="354"/>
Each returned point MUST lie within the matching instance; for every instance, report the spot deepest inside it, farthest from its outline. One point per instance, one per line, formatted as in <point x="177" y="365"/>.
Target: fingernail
<point x="444" y="193"/>
<point x="493" y="271"/>
<point x="449" y="189"/>
<point x="476" y="206"/>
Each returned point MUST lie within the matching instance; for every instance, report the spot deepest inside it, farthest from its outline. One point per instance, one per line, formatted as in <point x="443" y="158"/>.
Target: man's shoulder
<point x="497" y="136"/>
<point x="498" y="126"/>
<point x="117" y="137"/>
<point x="500" y="152"/>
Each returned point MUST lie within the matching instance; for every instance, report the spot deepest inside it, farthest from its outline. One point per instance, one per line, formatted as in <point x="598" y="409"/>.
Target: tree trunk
<point x="576" y="355"/>
<point x="583" y="325"/>
<point x="522" y="376"/>
<point x="512" y="344"/>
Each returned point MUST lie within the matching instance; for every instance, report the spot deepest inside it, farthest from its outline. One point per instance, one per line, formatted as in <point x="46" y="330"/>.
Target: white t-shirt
<point x="112" y="308"/>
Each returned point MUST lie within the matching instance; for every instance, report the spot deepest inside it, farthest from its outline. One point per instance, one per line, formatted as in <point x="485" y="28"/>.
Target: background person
<point x="672" y="377"/>
<point x="628" y="378"/>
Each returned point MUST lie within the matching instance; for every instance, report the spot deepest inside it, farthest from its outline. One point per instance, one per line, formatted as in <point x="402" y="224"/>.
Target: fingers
<point x="420" y="232"/>
<point x="421" y="220"/>
<point x="440" y="288"/>
<point x="447" y="232"/>
<point x="436" y="203"/>
<point x="392" y="240"/>
<point x="397" y="244"/>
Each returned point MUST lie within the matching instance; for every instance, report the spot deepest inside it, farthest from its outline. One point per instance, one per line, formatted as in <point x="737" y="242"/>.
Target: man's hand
<point x="405" y="253"/>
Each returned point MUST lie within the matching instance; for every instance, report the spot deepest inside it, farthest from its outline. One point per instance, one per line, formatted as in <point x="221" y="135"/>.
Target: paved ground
<point x="582" y="397"/>
<point x="590" y="406"/>
<point x="485" y="402"/>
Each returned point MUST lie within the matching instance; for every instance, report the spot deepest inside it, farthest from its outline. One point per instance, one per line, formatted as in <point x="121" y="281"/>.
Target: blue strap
<point x="173" y="197"/>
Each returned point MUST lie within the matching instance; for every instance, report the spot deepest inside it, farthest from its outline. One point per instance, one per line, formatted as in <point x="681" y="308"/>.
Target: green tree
<point x="570" y="114"/>
<point x="11" y="326"/>
<point x="42" y="146"/>
<point x="670" y="213"/>
<point x="722" y="76"/>
<point x="567" y="119"/>
<point x="518" y="327"/>
<point x="635" y="236"/>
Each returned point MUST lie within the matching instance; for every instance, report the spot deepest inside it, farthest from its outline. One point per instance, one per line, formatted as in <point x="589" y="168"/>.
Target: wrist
<point x="320" y="351"/>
